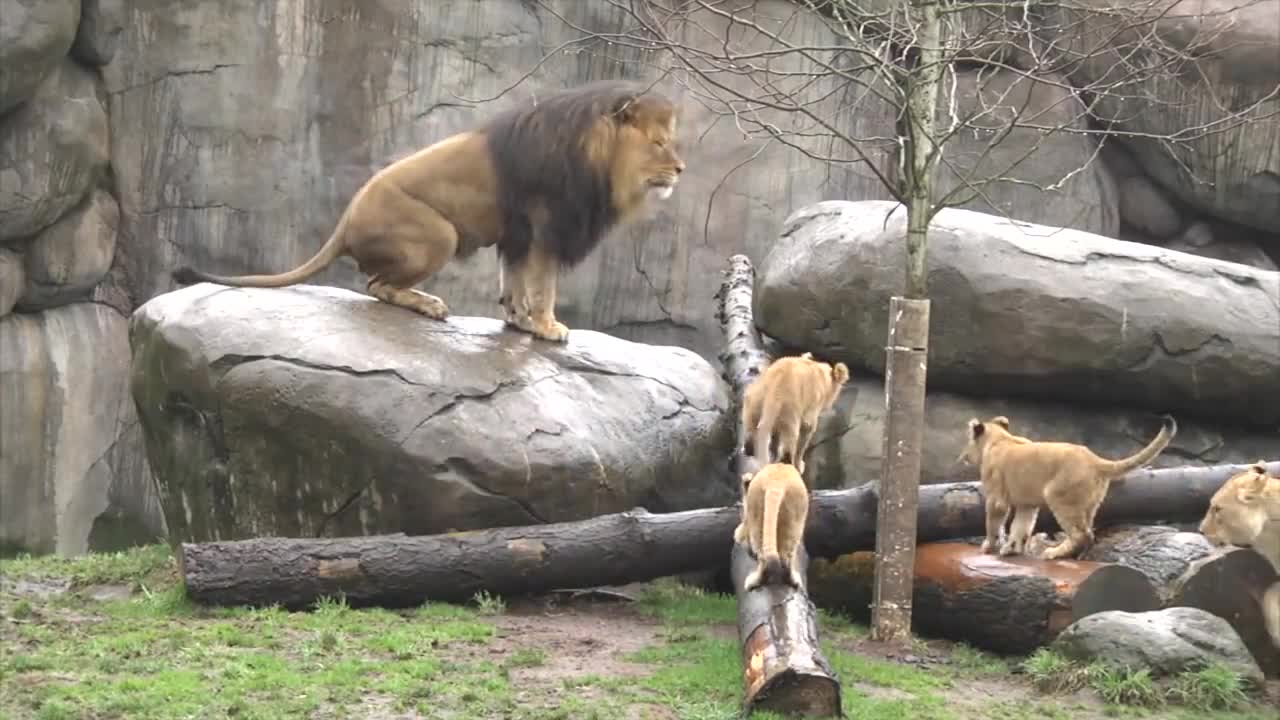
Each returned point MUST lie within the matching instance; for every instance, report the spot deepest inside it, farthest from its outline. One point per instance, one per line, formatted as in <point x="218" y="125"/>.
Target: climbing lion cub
<point x="1246" y="512"/>
<point x="781" y="407"/>
<point x="1020" y="475"/>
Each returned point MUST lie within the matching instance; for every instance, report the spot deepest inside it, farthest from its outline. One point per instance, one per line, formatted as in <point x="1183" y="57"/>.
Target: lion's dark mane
<point x="538" y="158"/>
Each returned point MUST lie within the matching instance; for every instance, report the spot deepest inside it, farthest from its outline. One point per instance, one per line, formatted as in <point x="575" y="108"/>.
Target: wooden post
<point x="906" y="364"/>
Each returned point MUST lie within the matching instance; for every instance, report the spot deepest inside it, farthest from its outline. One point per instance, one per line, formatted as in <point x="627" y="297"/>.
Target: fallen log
<point x="784" y="670"/>
<point x="1010" y="605"/>
<point x="1229" y="583"/>
<point x="1160" y="552"/>
<point x="398" y="570"/>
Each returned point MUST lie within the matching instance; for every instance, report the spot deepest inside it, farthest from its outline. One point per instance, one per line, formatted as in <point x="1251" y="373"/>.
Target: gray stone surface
<point x="72" y="472"/>
<point x="13" y="278"/>
<point x="848" y="444"/>
<point x="67" y="259"/>
<point x="318" y="411"/>
<point x="52" y="150"/>
<point x="98" y="37"/>
<point x="1227" y="162"/>
<point x="34" y="36"/>
<point x="1168" y="642"/>
<point x="1021" y="310"/>
<point x="1010" y="178"/>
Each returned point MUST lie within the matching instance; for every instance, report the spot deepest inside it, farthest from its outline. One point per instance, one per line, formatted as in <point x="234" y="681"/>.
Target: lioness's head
<point x="979" y="435"/>
<point x="1241" y="508"/>
<point x="645" y="162"/>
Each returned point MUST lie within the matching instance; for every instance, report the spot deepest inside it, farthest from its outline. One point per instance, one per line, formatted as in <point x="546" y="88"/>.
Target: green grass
<point x="156" y="656"/>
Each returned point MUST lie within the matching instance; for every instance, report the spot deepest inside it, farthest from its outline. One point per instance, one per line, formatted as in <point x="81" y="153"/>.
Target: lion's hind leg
<point x="1024" y="520"/>
<point x="413" y="244"/>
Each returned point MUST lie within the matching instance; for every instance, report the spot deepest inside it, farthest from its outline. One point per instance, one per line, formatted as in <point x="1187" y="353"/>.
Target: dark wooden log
<point x="1229" y="583"/>
<point x="1161" y="552"/>
<point x="612" y="549"/>
<point x="1006" y="605"/>
<point x="784" y="670"/>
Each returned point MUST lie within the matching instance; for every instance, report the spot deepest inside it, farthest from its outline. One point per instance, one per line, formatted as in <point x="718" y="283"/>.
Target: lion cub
<point x="774" y="512"/>
<point x="782" y="407"/>
<point x="1246" y="512"/>
<point x="1019" y="475"/>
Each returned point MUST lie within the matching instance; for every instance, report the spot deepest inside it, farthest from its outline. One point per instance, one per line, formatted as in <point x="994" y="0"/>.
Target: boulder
<point x="1220" y="108"/>
<point x="1166" y="642"/>
<point x="34" y="36"/>
<point x="13" y="278"/>
<point x="73" y="474"/>
<point x="848" y="445"/>
<point x="1007" y="179"/>
<point x="68" y="258"/>
<point x="52" y="150"/>
<point x="209" y="174"/>
<point x="98" y="37"/>
<point x="319" y="411"/>
<point x="1023" y="310"/>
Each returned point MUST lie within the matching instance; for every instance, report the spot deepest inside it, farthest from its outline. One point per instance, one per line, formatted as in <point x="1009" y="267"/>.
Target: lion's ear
<point x="624" y="110"/>
<point x="975" y="427"/>
<point x="1258" y="468"/>
<point x="1001" y="420"/>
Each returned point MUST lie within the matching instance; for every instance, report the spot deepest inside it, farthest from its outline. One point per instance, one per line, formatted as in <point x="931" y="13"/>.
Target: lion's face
<point x="978" y="435"/>
<point x="647" y="163"/>
<point x="1241" y="508"/>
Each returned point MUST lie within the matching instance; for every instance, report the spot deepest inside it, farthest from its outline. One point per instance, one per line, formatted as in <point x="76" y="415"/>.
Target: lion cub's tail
<point x="1116" y="468"/>
<point x="775" y="570"/>
<point x="332" y="250"/>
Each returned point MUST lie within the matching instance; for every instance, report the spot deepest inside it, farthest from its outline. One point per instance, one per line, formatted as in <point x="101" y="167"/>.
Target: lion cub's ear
<point x="1001" y="420"/>
<point x="1259" y="468"/>
<point x="975" y="427"/>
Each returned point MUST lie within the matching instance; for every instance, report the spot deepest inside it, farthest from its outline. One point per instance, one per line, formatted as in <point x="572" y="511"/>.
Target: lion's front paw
<point x="740" y="534"/>
<point x="1009" y="548"/>
<point x="753" y="581"/>
<point x="988" y="546"/>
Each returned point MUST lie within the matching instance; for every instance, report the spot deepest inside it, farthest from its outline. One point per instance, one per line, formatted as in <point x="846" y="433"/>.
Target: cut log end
<point x="1229" y="583"/>
<point x="1113" y="587"/>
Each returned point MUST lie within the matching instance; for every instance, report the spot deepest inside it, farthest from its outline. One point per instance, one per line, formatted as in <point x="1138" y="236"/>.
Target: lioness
<point x="544" y="181"/>
<point x="1019" y="475"/>
<point x="1245" y="512"/>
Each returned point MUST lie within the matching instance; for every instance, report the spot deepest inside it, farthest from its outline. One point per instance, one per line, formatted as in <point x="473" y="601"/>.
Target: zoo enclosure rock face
<point x="318" y="411"/>
<point x="1033" y="311"/>
<point x="73" y="475"/>
<point x="848" y="445"/>
<point x="34" y="37"/>
<point x="1168" y="642"/>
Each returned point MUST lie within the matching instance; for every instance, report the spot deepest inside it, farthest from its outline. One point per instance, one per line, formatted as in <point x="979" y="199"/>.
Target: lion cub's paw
<point x="1009" y="547"/>
<point x="794" y="576"/>
<point x="753" y="581"/>
<point x="740" y="533"/>
<point x="555" y="331"/>
<point x="988" y="546"/>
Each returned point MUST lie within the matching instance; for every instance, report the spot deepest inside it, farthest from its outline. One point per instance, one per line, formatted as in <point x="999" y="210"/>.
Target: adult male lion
<point x="544" y="181"/>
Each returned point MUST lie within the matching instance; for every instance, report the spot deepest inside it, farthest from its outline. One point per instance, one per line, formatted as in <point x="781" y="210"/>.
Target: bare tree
<point x="972" y="90"/>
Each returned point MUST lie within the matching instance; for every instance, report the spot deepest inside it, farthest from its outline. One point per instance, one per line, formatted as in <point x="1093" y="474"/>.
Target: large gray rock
<point x="73" y="475"/>
<point x="1033" y="311"/>
<point x="98" y="37"/>
<point x="1226" y="158"/>
<point x="52" y="150"/>
<point x="68" y="258"/>
<point x="211" y="175"/>
<point x="314" y="410"/>
<point x="34" y="37"/>
<point x="1008" y="179"/>
<point x="1167" y="642"/>
<point x="848" y="446"/>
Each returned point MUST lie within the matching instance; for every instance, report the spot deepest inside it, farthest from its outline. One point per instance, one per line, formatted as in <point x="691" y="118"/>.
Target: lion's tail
<point x="332" y="250"/>
<point x="1117" y="468"/>
<point x="775" y="570"/>
<point x="763" y="441"/>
